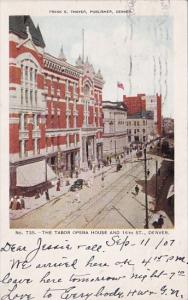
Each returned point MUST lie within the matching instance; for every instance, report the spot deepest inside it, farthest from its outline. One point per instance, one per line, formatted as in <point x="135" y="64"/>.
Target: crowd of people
<point x="17" y="202"/>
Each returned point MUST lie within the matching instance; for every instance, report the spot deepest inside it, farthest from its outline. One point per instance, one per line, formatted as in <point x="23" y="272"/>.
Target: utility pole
<point x="156" y="183"/>
<point x="46" y="180"/>
<point x="146" y="187"/>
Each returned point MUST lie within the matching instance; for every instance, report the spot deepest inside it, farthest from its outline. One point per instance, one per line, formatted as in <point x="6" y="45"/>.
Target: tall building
<point x="115" y="128"/>
<point x="142" y="103"/>
<point x="56" y="118"/>
<point x="141" y="128"/>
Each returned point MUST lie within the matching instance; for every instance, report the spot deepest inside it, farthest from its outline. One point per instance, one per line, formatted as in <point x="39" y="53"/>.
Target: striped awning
<point x="33" y="174"/>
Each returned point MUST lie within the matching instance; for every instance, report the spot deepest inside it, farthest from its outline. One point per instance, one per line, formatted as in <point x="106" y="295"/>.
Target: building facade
<point x="168" y="126"/>
<point x="55" y="107"/>
<point x="140" y="128"/>
<point x="115" y="129"/>
<point x="142" y="103"/>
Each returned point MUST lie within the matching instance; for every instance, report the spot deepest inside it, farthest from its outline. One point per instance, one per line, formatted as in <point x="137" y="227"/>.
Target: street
<point x="108" y="204"/>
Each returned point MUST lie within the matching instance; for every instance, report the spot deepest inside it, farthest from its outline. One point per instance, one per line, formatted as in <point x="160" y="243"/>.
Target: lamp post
<point x="46" y="179"/>
<point x="156" y="183"/>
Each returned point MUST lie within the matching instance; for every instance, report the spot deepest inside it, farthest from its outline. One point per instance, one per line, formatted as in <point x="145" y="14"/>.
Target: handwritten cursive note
<point x="117" y="266"/>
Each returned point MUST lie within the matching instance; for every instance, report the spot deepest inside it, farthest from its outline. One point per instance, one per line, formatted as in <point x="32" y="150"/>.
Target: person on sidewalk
<point x="58" y="185"/>
<point x="148" y="172"/>
<point x="102" y="180"/>
<point x="136" y="189"/>
<point x="160" y="222"/>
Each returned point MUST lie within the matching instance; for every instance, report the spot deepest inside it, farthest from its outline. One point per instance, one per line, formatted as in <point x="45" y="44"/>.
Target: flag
<point x="120" y="85"/>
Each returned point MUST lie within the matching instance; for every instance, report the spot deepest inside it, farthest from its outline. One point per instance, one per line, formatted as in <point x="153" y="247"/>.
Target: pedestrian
<point x="160" y="221"/>
<point x="148" y="172"/>
<point x="110" y="160"/>
<point x="136" y="189"/>
<point x="58" y="185"/>
<point x="102" y="180"/>
<point x="14" y="204"/>
<point x="18" y="203"/>
<point x="11" y="202"/>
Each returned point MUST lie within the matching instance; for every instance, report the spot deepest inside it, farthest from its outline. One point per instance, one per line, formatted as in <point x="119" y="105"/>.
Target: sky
<point x="134" y="50"/>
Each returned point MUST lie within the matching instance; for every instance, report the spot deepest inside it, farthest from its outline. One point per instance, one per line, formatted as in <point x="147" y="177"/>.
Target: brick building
<point x="142" y="103"/>
<point x="56" y="119"/>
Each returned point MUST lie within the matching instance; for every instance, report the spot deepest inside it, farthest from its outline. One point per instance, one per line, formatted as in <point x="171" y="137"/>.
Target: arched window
<point x="86" y="90"/>
<point x="29" y="71"/>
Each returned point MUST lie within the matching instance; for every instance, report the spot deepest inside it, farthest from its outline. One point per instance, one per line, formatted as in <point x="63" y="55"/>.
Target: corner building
<point x="56" y="119"/>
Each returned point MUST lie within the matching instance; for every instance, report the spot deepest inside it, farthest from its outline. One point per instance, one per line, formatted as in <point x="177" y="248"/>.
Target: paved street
<point x="112" y="204"/>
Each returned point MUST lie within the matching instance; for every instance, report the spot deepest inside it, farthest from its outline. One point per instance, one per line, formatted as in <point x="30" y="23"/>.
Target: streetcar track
<point x="101" y="194"/>
<point x="116" y="202"/>
<point x="104" y="193"/>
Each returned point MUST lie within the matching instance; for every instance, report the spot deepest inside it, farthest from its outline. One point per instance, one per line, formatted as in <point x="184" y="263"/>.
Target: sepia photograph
<point x="91" y="122"/>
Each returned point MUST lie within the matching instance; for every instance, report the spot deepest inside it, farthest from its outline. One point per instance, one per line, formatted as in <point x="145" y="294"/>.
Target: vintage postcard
<point x="94" y="150"/>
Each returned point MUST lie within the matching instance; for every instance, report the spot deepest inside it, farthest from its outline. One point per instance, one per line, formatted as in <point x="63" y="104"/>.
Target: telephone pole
<point x="146" y="188"/>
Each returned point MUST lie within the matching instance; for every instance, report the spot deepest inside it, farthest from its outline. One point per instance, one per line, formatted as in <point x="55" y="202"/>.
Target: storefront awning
<point x="170" y="191"/>
<point x="33" y="174"/>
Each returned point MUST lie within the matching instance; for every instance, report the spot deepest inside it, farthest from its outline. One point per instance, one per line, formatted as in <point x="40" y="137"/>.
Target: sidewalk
<point x="31" y="203"/>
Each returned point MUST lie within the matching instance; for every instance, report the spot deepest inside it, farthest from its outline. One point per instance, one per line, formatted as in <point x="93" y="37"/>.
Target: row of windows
<point x="136" y="130"/>
<point x="28" y="73"/>
<point x="23" y="120"/>
<point x="136" y="139"/>
<point x="137" y="123"/>
<point x="23" y="145"/>
<point x="29" y="96"/>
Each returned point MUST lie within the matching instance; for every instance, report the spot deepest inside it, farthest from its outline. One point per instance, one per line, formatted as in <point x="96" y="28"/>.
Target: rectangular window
<point x="25" y="122"/>
<point x="143" y="130"/>
<point x="144" y="138"/>
<point x="135" y="131"/>
<point x="26" y="73"/>
<point x="138" y="123"/>
<point x="143" y="122"/>
<point x="21" y="72"/>
<point x="35" y="76"/>
<point x="38" y="146"/>
<point x="134" y="123"/>
<point x="138" y="130"/>
<point x="25" y="148"/>
<point x="26" y="96"/>
<point x="31" y="96"/>
<point x="129" y="138"/>
<point x="36" y="97"/>
<point x="21" y="96"/>
<point x="31" y="74"/>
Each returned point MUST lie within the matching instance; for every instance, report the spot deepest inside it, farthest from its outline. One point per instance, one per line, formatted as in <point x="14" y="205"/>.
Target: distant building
<point x="115" y="128"/>
<point x="142" y="103"/>
<point x="140" y="128"/>
<point x="56" y="116"/>
<point x="168" y="126"/>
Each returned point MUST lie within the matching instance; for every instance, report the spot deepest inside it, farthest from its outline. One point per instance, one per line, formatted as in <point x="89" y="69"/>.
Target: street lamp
<point x="46" y="179"/>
